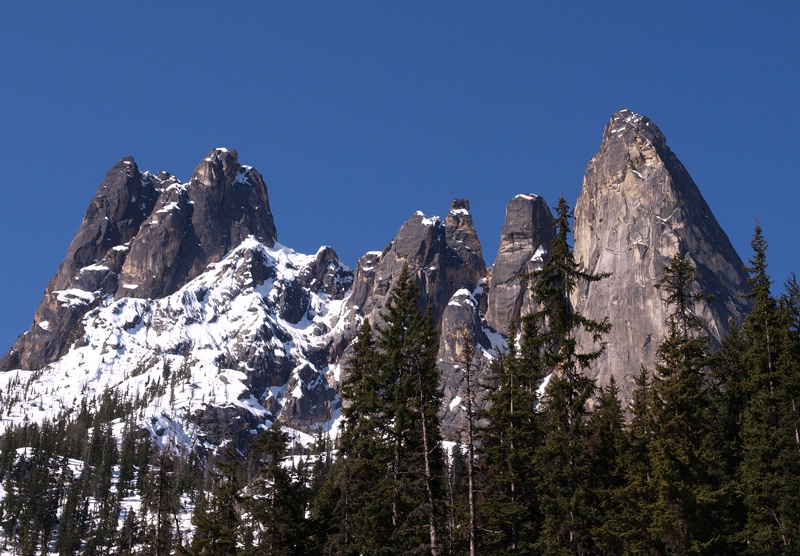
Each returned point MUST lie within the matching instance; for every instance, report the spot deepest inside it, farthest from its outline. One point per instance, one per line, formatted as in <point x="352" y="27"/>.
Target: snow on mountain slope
<point x="224" y="355"/>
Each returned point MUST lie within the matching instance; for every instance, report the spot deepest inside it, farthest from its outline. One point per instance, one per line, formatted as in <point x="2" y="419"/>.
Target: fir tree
<point x="216" y="517"/>
<point x="563" y="460"/>
<point x="275" y="502"/>
<point x="685" y="464"/>
<point x="391" y="482"/>
<point x="606" y="446"/>
<point x="507" y="506"/>
<point x="770" y="470"/>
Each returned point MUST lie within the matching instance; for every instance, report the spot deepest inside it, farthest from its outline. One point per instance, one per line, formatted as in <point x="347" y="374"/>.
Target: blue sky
<point x="360" y="113"/>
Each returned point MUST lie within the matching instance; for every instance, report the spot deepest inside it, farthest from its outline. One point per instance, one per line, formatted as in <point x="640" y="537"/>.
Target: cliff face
<point x="442" y="256"/>
<point x="145" y="236"/>
<point x="638" y="207"/>
<point x="525" y="241"/>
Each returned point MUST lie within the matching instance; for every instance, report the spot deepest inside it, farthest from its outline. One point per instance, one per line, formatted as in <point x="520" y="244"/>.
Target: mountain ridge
<point x="149" y="246"/>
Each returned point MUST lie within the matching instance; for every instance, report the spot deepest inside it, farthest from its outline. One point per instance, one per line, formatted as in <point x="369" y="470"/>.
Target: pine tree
<point x="275" y="502"/>
<point x="507" y="506"/>
<point x="770" y="470"/>
<point x="635" y="499"/>
<point x="391" y="439"/>
<point x="686" y="466"/>
<point x="216" y="517"/>
<point x="469" y="370"/>
<point x="563" y="460"/>
<point x="160" y="501"/>
<point x="606" y="446"/>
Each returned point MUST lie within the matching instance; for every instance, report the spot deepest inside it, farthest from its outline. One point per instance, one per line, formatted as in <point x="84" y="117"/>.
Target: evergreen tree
<point x="469" y="370"/>
<point x="507" y="507"/>
<point x="391" y="442"/>
<point x="770" y="470"/>
<point x="563" y="460"/>
<point x="275" y="502"/>
<point x="216" y="517"/>
<point x="686" y="467"/>
<point x="160" y="502"/>
<point x="606" y="446"/>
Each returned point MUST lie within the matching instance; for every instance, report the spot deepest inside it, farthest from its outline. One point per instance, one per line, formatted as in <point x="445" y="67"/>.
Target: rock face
<point x="145" y="236"/>
<point x="525" y="240"/>
<point x="638" y="207"/>
<point x="443" y="257"/>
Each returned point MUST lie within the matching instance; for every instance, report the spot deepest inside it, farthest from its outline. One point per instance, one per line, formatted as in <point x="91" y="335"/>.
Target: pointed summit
<point x="638" y="207"/>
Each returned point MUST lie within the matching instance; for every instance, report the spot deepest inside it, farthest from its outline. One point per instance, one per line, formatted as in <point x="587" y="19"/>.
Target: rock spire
<point x="637" y="208"/>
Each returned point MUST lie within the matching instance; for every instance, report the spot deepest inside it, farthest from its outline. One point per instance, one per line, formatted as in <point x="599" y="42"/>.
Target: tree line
<point x="704" y="459"/>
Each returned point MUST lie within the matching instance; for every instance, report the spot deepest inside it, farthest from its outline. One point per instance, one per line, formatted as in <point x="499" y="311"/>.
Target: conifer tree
<point x="770" y="470"/>
<point x="563" y="461"/>
<point x="391" y="439"/>
<point x="216" y="517"/>
<point x="275" y="502"/>
<point x="507" y="506"/>
<point x="606" y="445"/>
<point x="470" y="371"/>
<point x="685" y="464"/>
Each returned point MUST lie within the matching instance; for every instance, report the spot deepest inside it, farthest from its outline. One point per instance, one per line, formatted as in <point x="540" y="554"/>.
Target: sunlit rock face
<point x="638" y="207"/>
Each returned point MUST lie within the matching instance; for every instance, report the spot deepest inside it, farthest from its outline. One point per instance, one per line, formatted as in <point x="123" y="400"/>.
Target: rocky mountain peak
<point x="220" y="166"/>
<point x="525" y="240"/>
<point x="637" y="208"/>
<point x="442" y="257"/>
<point x="145" y="236"/>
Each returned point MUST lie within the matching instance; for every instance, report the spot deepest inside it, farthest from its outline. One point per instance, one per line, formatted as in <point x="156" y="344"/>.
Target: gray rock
<point x="638" y="207"/>
<point x="122" y="203"/>
<point x="443" y="257"/>
<point x="145" y="236"/>
<point x="461" y="321"/>
<point x="525" y="240"/>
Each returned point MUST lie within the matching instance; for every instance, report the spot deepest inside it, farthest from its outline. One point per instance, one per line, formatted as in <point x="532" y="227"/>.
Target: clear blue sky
<point x="360" y="113"/>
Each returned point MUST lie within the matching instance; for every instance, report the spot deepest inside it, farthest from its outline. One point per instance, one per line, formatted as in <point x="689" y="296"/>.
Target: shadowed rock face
<point x="638" y="207"/>
<point x="525" y="241"/>
<point x="145" y="236"/>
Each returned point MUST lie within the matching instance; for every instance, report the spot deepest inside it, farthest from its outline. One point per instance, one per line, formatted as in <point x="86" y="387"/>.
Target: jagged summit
<point x="443" y="256"/>
<point x="145" y="236"/>
<point x="524" y="243"/>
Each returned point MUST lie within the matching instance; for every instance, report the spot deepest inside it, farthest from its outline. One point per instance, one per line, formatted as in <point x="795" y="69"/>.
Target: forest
<point x="705" y="459"/>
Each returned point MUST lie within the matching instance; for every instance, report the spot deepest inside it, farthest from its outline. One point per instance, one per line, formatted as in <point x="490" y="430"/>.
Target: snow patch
<point x="74" y="297"/>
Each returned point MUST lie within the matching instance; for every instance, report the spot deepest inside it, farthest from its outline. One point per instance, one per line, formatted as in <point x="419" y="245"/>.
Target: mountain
<point x="638" y="207"/>
<point x="178" y="298"/>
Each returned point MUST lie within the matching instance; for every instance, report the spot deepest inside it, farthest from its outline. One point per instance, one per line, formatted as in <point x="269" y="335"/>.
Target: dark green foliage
<point x="567" y="500"/>
<point x="160" y="503"/>
<point x="769" y="475"/>
<point x="216" y="517"/>
<point x="275" y="501"/>
<point x="391" y="478"/>
<point x="606" y="449"/>
<point x="507" y="507"/>
<point x="686" y="466"/>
